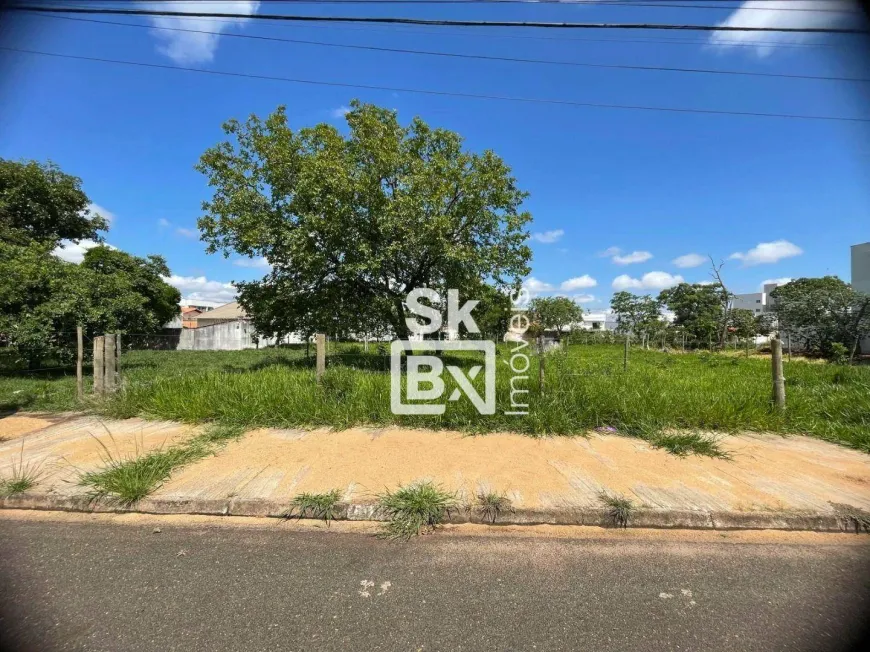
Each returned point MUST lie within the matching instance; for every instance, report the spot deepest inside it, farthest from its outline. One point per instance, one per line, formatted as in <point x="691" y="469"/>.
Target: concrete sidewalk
<point x="770" y="482"/>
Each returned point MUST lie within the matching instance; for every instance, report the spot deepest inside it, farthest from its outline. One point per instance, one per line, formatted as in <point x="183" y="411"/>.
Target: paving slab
<point x="765" y="473"/>
<point x="62" y="448"/>
<point x="787" y="482"/>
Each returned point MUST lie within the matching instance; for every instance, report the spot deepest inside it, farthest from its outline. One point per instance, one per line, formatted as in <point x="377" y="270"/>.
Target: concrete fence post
<point x="778" y="378"/>
<point x="80" y="385"/>
<point x="99" y="365"/>
<point x="541" y="364"/>
<point x="117" y="360"/>
<point x="109" y="366"/>
<point x="320" y="342"/>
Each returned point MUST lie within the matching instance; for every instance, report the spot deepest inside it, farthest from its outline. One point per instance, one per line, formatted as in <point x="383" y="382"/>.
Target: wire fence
<point x="58" y="356"/>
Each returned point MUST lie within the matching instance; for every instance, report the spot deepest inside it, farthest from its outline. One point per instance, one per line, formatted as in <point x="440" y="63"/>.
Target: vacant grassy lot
<point x="585" y="388"/>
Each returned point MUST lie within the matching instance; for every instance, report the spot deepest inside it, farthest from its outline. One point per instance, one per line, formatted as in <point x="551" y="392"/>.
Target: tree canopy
<point x="40" y="203"/>
<point x="639" y="315"/>
<point x="822" y="312"/>
<point x="555" y="313"/>
<point x="698" y="309"/>
<point x="43" y="298"/>
<point x="742" y="323"/>
<point x="352" y="223"/>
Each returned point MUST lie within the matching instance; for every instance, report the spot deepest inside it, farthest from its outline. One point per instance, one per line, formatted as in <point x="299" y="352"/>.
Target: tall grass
<point x="127" y="479"/>
<point x="585" y="389"/>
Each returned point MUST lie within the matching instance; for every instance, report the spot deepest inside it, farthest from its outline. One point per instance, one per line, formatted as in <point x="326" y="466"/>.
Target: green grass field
<point x="584" y="389"/>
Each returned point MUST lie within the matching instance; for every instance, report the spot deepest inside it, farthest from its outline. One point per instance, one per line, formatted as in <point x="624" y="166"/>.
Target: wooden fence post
<point x="80" y="387"/>
<point x="778" y="379"/>
<point x="99" y="367"/>
<point x="320" y="341"/>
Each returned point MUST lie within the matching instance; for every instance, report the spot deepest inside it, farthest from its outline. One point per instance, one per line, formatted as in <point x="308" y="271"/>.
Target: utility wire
<point x="413" y="30"/>
<point x="474" y="56"/>
<point x="423" y="21"/>
<point x="575" y="3"/>
<point x="531" y="100"/>
<point x="683" y="4"/>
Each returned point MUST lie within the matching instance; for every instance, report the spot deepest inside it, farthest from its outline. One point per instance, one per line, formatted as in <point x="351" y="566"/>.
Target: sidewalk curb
<point x="640" y="518"/>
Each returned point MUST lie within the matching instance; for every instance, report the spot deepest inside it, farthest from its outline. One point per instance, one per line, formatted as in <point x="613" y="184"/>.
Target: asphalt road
<point x="103" y="586"/>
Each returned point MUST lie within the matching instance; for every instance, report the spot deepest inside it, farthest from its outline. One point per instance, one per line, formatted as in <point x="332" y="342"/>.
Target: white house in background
<point x="756" y="302"/>
<point x="226" y="328"/>
<point x="599" y="320"/>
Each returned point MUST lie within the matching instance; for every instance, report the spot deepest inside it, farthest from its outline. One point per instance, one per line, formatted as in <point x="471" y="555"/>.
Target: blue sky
<point x="620" y="198"/>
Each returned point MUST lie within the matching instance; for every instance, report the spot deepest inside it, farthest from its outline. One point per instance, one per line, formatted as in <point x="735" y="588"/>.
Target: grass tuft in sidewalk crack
<point x="490" y="505"/>
<point x="24" y="477"/>
<point x="130" y="478"/>
<point x="682" y="445"/>
<point x="415" y="509"/>
<point x="308" y="505"/>
<point x="619" y="508"/>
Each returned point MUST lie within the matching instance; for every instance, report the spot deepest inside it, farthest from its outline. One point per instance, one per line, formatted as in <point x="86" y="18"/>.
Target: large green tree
<point x="43" y="298"/>
<point x="742" y="323"/>
<point x="822" y="312"/>
<point x="639" y="315"/>
<point x="698" y="309"/>
<point x="353" y="222"/>
<point x="40" y="203"/>
<point x="555" y="313"/>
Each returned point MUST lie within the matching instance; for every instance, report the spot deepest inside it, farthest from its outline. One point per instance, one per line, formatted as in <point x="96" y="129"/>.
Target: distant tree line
<point x="825" y="316"/>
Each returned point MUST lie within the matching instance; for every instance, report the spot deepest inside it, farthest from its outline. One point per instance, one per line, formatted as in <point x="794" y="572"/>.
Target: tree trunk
<point x="397" y="319"/>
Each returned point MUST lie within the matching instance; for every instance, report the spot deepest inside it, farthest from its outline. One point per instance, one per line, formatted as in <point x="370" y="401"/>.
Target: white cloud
<point x="253" y="263"/>
<point x="195" y="47"/>
<point x="340" y="112"/>
<point x="616" y="255"/>
<point x="583" y="298"/>
<point x="536" y="287"/>
<point x="163" y="222"/>
<point x="75" y="252"/>
<point x="548" y="237"/>
<point x="199" y="288"/>
<point x="649" y="281"/>
<point x="777" y="281"/>
<point x="689" y="260"/>
<point x="187" y="233"/>
<point x="767" y="252"/>
<point x="610" y="251"/>
<point x="633" y="257"/>
<point x="96" y="208"/>
<point x="777" y="13"/>
<point x="579" y="283"/>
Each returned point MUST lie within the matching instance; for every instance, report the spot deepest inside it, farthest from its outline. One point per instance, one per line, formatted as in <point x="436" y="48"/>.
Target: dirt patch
<point x="15" y="426"/>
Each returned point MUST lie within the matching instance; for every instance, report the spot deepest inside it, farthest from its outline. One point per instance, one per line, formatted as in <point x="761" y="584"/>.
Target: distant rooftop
<point x="226" y="312"/>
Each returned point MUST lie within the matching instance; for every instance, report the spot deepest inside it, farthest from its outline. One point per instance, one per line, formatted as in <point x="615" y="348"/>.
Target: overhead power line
<point x="424" y="21"/>
<point x="506" y="98"/>
<point x="482" y="57"/>
<point x="679" y="4"/>
<point x="470" y="32"/>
